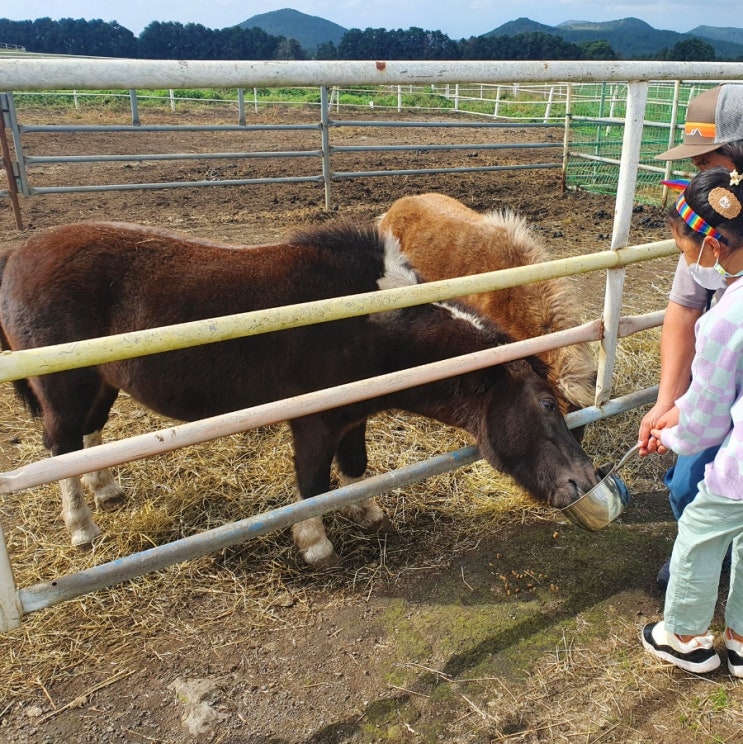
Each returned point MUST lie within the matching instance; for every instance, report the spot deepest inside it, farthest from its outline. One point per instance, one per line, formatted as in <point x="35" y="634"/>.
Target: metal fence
<point x="136" y="74"/>
<point x="590" y="116"/>
<point x="323" y="155"/>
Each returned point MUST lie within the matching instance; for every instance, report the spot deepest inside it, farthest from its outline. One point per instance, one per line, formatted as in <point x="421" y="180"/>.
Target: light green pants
<point x="707" y="526"/>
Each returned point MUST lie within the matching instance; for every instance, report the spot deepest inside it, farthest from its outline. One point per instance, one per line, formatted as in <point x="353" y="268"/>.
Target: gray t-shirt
<point x="685" y="291"/>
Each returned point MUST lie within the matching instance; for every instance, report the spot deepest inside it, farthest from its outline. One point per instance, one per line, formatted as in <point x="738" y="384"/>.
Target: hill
<point x="630" y="38"/>
<point x="308" y="30"/>
<point x="724" y="33"/>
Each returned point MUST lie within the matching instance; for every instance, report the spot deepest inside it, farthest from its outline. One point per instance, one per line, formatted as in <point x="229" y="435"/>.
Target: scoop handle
<point x="627" y="455"/>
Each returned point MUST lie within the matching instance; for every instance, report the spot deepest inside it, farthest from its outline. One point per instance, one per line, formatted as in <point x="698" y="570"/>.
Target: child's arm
<point x="705" y="409"/>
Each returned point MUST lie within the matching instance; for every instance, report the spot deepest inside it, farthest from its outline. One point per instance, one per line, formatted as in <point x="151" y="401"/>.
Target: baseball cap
<point x="712" y="118"/>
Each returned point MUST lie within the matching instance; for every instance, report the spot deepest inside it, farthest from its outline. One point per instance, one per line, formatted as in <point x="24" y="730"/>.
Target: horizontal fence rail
<point x="96" y="351"/>
<point x="133" y="74"/>
<point x="44" y="595"/>
<point x="30" y="362"/>
<point x="591" y="113"/>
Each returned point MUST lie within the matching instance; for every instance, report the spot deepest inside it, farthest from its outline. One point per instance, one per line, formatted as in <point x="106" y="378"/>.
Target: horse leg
<point x="108" y="494"/>
<point x="76" y="514"/>
<point x="313" y="456"/>
<point x="66" y="401"/>
<point x="350" y="456"/>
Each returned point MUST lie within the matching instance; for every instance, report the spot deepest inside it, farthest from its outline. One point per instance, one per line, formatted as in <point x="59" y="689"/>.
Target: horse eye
<point x="549" y="404"/>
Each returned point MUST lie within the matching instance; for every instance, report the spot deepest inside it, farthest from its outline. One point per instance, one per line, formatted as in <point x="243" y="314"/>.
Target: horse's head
<point x="525" y="435"/>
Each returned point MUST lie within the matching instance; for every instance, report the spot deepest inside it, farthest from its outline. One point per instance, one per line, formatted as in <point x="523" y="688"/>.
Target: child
<point x="708" y="215"/>
<point x="713" y="136"/>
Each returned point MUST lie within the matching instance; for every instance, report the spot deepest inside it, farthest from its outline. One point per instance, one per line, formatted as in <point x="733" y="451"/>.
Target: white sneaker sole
<point x="708" y="665"/>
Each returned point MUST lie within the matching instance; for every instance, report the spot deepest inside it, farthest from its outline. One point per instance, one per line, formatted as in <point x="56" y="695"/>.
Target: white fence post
<point x="135" y="107"/>
<point x="637" y="96"/>
<point x="10" y="613"/>
<point x="241" y="107"/>
<point x="548" y="110"/>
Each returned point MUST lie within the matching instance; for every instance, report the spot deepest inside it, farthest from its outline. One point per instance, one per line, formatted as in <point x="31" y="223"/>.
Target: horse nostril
<point x="567" y="495"/>
<point x="603" y="470"/>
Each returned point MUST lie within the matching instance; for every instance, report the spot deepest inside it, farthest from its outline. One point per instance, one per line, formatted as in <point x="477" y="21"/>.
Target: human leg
<point x="734" y="609"/>
<point x="682" y="480"/>
<point x="706" y="528"/>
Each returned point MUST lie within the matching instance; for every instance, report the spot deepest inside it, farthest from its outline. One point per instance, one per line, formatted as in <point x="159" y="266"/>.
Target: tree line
<point x="173" y="40"/>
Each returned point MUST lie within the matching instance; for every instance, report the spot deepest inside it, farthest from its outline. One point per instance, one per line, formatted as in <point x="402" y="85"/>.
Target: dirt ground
<point x="485" y="627"/>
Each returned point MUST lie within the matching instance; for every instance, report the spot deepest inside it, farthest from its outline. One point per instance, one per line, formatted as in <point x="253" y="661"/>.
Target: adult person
<point x="708" y="215"/>
<point x="713" y="136"/>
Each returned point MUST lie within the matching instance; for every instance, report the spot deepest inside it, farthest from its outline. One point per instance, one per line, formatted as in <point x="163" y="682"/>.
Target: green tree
<point x="289" y="49"/>
<point x="70" y="36"/>
<point x="532" y="45"/>
<point x="597" y="50"/>
<point x="693" y="49"/>
<point x="160" y="41"/>
<point x="326" y="50"/>
<point x="378" y="43"/>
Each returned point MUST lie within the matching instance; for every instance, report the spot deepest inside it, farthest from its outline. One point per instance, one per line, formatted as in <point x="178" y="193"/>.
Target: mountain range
<point x="630" y="38"/>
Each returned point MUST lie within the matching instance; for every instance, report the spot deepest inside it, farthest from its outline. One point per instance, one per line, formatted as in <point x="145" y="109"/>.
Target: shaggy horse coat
<point x="442" y="238"/>
<point x="95" y="279"/>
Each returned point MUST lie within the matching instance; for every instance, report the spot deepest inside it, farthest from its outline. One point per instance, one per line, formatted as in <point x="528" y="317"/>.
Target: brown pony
<point x="443" y="238"/>
<point x="95" y="279"/>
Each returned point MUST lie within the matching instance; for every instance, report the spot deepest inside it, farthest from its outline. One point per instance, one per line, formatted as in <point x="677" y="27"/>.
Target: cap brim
<point x="687" y="151"/>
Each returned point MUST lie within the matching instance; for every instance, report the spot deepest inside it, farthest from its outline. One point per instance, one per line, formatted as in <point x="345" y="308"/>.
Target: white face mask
<point x="706" y="276"/>
<point x="724" y="274"/>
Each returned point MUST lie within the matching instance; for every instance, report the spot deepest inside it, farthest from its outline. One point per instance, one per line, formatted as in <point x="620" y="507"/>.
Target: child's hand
<point x="667" y="420"/>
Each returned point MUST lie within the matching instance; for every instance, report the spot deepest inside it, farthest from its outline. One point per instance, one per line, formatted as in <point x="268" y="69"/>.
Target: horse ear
<point x="538" y="366"/>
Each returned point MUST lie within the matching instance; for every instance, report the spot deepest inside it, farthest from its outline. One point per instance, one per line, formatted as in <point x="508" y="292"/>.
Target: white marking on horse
<point x="367" y="514"/>
<point x="106" y="491"/>
<point x="459" y="312"/>
<point x="313" y="544"/>
<point x="75" y="513"/>
<point x="397" y="270"/>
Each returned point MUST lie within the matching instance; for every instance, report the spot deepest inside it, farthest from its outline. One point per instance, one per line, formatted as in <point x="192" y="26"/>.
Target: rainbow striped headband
<point x="693" y="220"/>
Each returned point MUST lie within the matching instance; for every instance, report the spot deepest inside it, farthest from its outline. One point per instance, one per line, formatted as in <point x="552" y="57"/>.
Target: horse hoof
<point x="330" y="561"/>
<point x="383" y="527"/>
<point x="321" y="556"/>
<point x="83" y="539"/>
<point x="109" y="500"/>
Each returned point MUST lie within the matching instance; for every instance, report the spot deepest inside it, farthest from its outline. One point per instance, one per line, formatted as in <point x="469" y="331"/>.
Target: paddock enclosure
<point x="486" y="534"/>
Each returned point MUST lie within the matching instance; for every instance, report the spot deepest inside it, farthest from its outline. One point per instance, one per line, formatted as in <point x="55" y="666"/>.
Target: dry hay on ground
<point x="198" y="488"/>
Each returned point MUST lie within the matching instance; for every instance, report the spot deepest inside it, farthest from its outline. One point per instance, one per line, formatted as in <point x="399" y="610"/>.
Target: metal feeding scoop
<point x="604" y="502"/>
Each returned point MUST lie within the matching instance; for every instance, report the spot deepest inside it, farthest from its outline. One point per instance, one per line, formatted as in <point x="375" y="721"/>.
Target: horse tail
<point x="22" y="388"/>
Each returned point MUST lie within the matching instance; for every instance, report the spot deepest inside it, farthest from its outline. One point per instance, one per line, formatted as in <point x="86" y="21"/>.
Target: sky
<point x="455" y="18"/>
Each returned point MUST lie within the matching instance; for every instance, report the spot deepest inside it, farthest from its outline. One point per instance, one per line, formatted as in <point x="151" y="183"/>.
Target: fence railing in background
<point x="591" y="114"/>
<point x="323" y="154"/>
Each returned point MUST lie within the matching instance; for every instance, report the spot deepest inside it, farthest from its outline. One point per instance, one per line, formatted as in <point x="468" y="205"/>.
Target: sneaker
<point x="735" y="655"/>
<point x="697" y="655"/>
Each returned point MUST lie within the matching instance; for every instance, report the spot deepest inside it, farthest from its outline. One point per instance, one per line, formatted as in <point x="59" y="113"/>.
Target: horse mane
<point x="573" y="367"/>
<point x="444" y="238"/>
<point x="22" y="388"/>
<point x="337" y="236"/>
